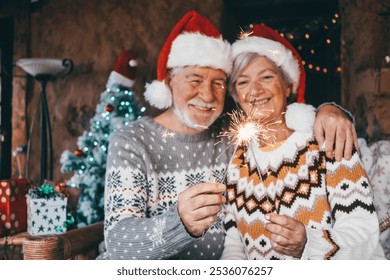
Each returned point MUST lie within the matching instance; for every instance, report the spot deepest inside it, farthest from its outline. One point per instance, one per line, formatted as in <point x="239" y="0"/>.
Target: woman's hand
<point x="288" y="236"/>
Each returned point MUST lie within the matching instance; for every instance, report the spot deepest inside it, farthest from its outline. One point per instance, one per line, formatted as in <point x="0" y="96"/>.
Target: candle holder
<point x="45" y="70"/>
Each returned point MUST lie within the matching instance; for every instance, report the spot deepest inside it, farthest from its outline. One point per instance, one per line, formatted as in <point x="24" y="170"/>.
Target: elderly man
<point x="165" y="175"/>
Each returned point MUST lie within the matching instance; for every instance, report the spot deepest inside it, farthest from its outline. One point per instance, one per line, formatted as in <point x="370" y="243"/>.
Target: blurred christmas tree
<point x="118" y="107"/>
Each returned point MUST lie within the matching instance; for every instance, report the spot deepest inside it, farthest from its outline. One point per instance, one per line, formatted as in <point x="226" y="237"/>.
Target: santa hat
<point x="194" y="41"/>
<point x="269" y="43"/>
<point x="124" y="70"/>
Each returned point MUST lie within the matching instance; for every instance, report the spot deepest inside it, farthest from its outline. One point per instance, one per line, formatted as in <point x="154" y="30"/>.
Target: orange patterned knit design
<point x="300" y="183"/>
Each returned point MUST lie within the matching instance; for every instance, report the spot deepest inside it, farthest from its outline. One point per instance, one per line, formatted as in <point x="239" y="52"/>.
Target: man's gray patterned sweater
<point x="147" y="167"/>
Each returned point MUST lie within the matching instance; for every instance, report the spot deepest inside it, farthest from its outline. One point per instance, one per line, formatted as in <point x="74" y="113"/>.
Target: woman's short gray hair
<point x="239" y="64"/>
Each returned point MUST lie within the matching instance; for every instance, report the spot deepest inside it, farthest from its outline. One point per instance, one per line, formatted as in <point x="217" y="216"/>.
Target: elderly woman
<point x="286" y="198"/>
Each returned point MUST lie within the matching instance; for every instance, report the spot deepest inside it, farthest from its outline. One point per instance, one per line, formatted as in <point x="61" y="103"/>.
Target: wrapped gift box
<point x="46" y="212"/>
<point x="13" y="207"/>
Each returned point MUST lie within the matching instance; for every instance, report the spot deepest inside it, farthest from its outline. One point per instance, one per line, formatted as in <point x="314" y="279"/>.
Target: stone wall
<point x="92" y="33"/>
<point x="365" y="71"/>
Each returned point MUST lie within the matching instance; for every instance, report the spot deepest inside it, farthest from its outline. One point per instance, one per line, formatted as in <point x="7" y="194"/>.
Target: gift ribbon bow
<point x="46" y="189"/>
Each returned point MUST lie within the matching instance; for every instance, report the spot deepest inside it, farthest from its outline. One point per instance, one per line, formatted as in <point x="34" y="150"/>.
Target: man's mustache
<point x="200" y="103"/>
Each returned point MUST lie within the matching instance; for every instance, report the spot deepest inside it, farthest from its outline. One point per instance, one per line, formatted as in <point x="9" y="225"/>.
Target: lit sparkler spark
<point x="245" y="129"/>
<point x="167" y="134"/>
<point x="242" y="129"/>
<point x="244" y="34"/>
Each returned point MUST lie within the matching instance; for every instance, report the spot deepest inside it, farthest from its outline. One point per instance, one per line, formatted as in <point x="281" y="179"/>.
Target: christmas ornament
<point x="109" y="108"/>
<point x="79" y="153"/>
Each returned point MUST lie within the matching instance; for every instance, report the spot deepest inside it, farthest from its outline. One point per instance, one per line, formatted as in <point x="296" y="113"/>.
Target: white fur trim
<point x="158" y="95"/>
<point x="116" y="78"/>
<point x="300" y="117"/>
<point x="194" y="49"/>
<point x="274" y="51"/>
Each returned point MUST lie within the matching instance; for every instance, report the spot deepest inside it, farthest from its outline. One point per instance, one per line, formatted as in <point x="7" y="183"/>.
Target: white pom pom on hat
<point x="158" y="95"/>
<point x="124" y="70"/>
<point x="300" y="117"/>
<point x="194" y="41"/>
<point x="133" y="63"/>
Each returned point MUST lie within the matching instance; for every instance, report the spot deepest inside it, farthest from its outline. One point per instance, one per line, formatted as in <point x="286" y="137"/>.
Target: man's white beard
<point x="182" y="115"/>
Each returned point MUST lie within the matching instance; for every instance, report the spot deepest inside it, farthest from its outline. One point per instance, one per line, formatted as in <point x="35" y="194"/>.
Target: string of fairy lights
<point x="318" y="43"/>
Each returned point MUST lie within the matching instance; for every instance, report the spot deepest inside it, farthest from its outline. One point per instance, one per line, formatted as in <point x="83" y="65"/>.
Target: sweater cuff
<point x="178" y="236"/>
<point x="315" y="245"/>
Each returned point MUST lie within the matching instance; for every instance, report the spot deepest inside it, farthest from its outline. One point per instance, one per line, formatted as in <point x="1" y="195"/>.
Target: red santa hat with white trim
<point x="194" y="41"/>
<point x="124" y="70"/>
<point x="265" y="41"/>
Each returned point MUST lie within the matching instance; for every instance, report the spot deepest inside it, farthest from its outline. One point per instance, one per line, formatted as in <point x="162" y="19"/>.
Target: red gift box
<point x="13" y="205"/>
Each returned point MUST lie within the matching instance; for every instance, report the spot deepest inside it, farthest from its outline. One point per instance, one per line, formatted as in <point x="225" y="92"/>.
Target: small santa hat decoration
<point x="269" y="43"/>
<point x="124" y="70"/>
<point x="194" y="41"/>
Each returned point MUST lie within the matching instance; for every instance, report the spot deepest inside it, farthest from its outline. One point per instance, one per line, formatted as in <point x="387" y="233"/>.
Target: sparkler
<point x="167" y="134"/>
<point x="245" y="34"/>
<point x="245" y="129"/>
<point x="251" y="128"/>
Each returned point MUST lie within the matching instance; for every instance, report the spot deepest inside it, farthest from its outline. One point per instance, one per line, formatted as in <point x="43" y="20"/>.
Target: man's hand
<point x="199" y="205"/>
<point x="288" y="236"/>
<point x="334" y="128"/>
